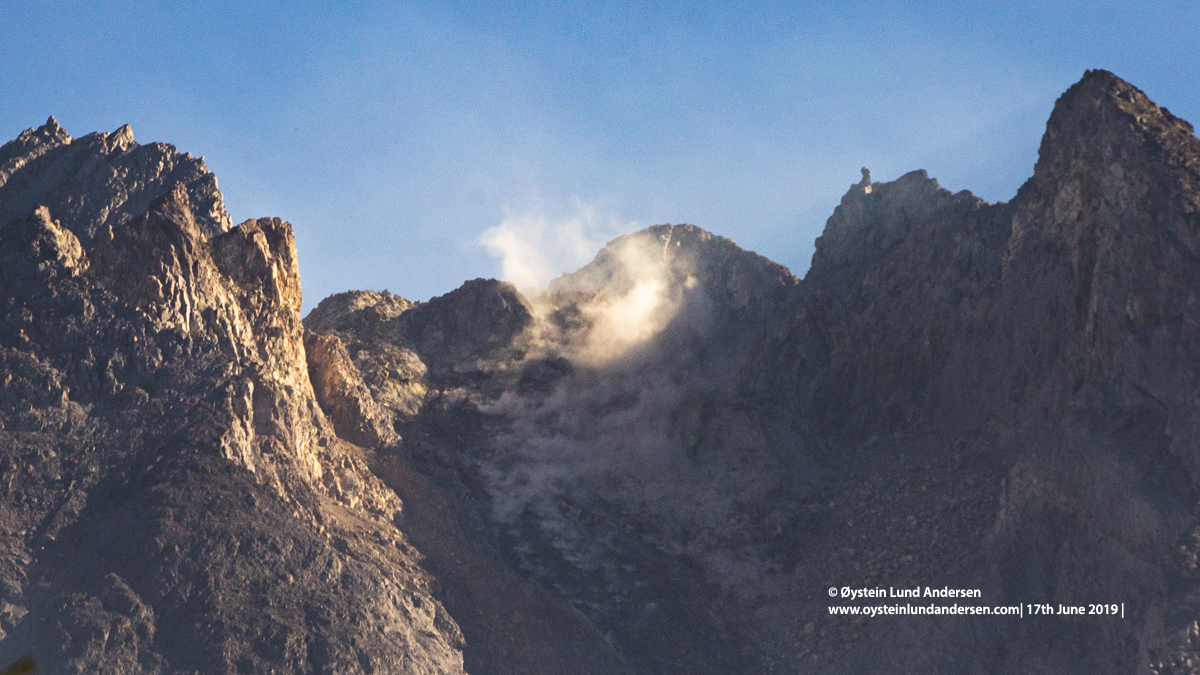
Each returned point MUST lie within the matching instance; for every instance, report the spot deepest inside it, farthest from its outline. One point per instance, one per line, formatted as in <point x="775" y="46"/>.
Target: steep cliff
<point x="174" y="499"/>
<point x="1033" y="365"/>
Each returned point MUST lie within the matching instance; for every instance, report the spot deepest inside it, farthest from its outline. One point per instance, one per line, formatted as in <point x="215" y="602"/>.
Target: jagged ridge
<point x="992" y="396"/>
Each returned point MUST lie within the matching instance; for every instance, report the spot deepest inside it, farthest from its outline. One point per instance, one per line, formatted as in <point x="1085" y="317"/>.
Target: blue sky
<point x="394" y="135"/>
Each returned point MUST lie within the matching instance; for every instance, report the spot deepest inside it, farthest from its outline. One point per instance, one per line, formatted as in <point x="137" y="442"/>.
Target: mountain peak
<point x="76" y="180"/>
<point x="52" y="129"/>
<point x="122" y="138"/>
<point x="1105" y="142"/>
<point x="51" y="125"/>
<point x="1099" y="89"/>
<point x="1104" y="113"/>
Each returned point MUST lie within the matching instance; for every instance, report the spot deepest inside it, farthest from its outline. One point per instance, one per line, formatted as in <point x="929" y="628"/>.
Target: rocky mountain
<point x="174" y="499"/>
<point x="660" y="464"/>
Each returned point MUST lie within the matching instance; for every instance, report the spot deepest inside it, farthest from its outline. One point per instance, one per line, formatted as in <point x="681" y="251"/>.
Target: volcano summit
<point x="669" y="461"/>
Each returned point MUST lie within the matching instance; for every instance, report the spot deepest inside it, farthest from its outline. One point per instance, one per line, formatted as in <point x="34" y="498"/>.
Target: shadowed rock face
<point x="659" y="465"/>
<point x="1041" y="349"/>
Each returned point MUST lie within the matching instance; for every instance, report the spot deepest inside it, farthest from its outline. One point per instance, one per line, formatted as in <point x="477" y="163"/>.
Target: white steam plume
<point x="532" y="248"/>
<point x="629" y="294"/>
<point x="637" y="302"/>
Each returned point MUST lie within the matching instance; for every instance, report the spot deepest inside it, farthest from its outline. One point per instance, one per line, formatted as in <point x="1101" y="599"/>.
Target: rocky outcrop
<point x="1031" y="346"/>
<point x="344" y="396"/>
<point x="101" y="181"/>
<point x="174" y="499"/>
<point x="460" y="333"/>
<point x="365" y="323"/>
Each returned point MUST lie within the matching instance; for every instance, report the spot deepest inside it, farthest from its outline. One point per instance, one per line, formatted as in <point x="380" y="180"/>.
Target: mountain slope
<point x="660" y="464"/>
<point x="174" y="499"/>
<point x="1049" y="342"/>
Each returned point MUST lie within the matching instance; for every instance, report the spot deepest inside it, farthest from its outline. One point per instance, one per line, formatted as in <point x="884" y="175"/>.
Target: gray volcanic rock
<point x="689" y="446"/>
<point x="583" y="459"/>
<point x="344" y="396"/>
<point x="458" y="333"/>
<point x="510" y="625"/>
<point x="101" y="181"/>
<point x="363" y="320"/>
<point x="1040" y="349"/>
<point x="174" y="500"/>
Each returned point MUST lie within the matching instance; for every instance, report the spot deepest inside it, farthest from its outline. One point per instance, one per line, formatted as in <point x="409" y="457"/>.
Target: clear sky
<point x="394" y="135"/>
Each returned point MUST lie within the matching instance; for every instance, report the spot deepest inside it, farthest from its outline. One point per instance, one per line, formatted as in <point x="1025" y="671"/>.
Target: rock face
<point x="1043" y="350"/>
<point x="174" y="500"/>
<point x="661" y="464"/>
<point x="101" y="181"/>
